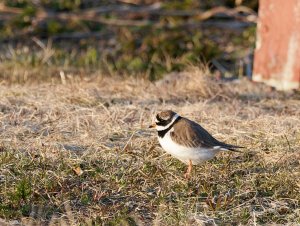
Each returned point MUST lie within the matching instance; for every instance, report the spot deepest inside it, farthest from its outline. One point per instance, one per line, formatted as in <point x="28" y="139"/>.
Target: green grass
<point x="50" y="131"/>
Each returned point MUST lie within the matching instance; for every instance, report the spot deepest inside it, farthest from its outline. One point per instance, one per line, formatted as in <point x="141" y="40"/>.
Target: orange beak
<point x="152" y="126"/>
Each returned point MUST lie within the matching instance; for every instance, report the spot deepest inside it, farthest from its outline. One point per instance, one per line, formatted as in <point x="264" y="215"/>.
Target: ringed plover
<point x="186" y="140"/>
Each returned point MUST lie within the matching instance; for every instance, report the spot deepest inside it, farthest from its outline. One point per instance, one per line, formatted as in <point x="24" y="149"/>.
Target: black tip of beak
<point x="152" y="126"/>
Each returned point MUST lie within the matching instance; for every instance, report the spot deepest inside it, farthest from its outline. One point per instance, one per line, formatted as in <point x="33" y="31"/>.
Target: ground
<point x="80" y="151"/>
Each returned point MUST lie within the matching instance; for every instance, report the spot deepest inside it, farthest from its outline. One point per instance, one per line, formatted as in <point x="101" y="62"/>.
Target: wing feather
<point x="191" y="134"/>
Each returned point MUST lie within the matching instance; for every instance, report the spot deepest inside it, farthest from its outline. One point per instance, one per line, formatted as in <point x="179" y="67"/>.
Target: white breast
<point x="184" y="154"/>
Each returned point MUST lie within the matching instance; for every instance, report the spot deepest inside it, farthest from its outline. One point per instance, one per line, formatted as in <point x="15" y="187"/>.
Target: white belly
<point x="184" y="154"/>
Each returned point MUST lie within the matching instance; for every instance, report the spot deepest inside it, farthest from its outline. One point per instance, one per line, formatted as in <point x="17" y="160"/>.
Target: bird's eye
<point x="158" y="118"/>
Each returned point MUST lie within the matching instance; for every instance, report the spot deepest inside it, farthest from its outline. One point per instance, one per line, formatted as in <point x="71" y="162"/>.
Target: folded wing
<point x="191" y="134"/>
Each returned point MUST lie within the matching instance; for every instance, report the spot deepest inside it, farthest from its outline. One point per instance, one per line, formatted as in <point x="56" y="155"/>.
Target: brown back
<point x="191" y="134"/>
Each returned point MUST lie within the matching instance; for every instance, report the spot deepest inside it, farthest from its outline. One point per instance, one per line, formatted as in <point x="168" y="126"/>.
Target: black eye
<point x="158" y="118"/>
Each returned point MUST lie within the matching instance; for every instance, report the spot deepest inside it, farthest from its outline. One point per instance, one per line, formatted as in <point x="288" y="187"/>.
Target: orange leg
<point x="189" y="170"/>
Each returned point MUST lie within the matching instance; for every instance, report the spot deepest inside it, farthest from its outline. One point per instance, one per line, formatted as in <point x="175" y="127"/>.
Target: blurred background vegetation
<point x="129" y="37"/>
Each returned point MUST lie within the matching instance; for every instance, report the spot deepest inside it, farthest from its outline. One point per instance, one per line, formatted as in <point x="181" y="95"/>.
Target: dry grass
<point x="80" y="152"/>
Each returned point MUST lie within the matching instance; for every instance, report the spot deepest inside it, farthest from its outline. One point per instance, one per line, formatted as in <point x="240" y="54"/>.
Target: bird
<point x="186" y="140"/>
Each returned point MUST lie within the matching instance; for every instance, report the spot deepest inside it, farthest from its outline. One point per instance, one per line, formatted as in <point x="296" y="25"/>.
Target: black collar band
<point x="162" y="133"/>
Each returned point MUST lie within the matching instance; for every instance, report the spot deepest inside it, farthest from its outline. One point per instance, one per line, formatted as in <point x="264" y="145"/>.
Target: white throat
<point x="160" y="128"/>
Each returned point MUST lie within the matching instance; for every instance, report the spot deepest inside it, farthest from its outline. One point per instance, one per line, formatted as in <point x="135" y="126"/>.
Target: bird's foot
<point x="187" y="175"/>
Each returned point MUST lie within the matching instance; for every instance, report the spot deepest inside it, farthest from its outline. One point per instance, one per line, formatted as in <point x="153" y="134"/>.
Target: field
<point x="79" y="151"/>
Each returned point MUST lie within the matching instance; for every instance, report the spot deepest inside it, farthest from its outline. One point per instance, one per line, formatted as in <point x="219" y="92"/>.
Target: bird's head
<point x="164" y="119"/>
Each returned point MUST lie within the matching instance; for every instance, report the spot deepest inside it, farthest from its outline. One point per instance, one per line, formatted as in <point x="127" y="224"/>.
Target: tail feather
<point x="231" y="147"/>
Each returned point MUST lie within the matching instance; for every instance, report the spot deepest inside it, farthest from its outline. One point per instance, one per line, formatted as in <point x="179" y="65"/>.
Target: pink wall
<point x="277" y="54"/>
